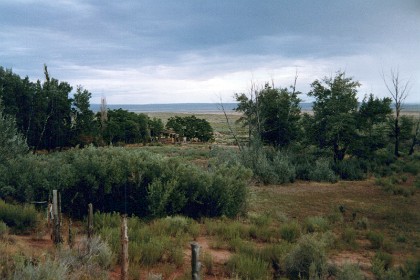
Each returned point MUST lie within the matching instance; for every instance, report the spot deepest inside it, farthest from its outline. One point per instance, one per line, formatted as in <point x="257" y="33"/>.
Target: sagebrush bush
<point x="48" y="270"/>
<point x="3" y="229"/>
<point x="290" y="231"/>
<point x="133" y="181"/>
<point x="308" y="251"/>
<point x="350" y="271"/>
<point x="350" y="169"/>
<point x="19" y="218"/>
<point x="349" y="236"/>
<point x="248" y="267"/>
<point x="322" y="172"/>
<point x="376" y="239"/>
<point x="316" y="224"/>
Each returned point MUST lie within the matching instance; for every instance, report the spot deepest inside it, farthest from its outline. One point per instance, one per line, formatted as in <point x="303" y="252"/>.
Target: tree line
<point x="49" y="116"/>
<point x="339" y="124"/>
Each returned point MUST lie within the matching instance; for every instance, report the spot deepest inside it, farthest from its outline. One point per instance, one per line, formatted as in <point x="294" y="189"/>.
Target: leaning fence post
<point x="124" y="248"/>
<point x="56" y="222"/>
<point x="90" y="220"/>
<point x="195" y="264"/>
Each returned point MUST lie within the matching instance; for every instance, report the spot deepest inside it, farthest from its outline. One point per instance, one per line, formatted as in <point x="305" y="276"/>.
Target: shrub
<point x="208" y="263"/>
<point x="322" y="172"/>
<point x="362" y="223"/>
<point x="248" y="267"/>
<point x="349" y="236"/>
<point x="350" y="272"/>
<point x="290" y="231"/>
<point x="48" y="270"/>
<point x="3" y="229"/>
<point x="349" y="169"/>
<point x="307" y="252"/>
<point x="20" y="219"/>
<point x="316" y="224"/>
<point x="376" y="239"/>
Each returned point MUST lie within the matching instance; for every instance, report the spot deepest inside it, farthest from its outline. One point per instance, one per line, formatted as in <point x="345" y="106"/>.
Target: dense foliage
<point x="191" y="127"/>
<point x="126" y="180"/>
<point x="50" y="116"/>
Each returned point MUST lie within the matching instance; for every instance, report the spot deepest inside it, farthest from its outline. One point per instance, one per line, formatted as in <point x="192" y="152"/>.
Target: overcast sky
<point x="167" y="51"/>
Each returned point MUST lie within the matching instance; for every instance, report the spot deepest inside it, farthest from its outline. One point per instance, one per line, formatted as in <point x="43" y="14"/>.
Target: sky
<point x="188" y="51"/>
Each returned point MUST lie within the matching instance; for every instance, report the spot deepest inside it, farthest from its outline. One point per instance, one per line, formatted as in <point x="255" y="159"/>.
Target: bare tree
<point x="398" y="89"/>
<point x="232" y="131"/>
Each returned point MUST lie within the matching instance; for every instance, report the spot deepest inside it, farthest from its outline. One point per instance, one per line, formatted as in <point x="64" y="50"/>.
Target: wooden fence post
<point x="71" y="238"/>
<point x="90" y="220"/>
<point x="124" y="248"/>
<point x="56" y="221"/>
<point x="195" y="264"/>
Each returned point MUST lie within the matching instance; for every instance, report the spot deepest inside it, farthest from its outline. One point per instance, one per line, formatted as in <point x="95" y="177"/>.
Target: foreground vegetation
<point x="333" y="195"/>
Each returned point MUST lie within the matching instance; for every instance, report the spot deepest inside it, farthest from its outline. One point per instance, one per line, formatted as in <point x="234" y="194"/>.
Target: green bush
<point x="362" y="223"/>
<point x="290" y="231"/>
<point x="350" y="272"/>
<point x="3" y="229"/>
<point x="48" y="270"/>
<point x="316" y="224"/>
<point x="322" y="172"/>
<point x="376" y="239"/>
<point x="20" y="219"/>
<point x="349" y="169"/>
<point x="349" y="236"/>
<point x="248" y="267"/>
<point x="133" y="181"/>
<point x="268" y="166"/>
<point x="307" y="252"/>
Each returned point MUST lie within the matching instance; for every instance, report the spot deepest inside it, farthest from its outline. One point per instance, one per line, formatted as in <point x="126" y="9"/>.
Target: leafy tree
<point x="191" y="127"/>
<point x="372" y="125"/>
<point x="12" y="142"/>
<point x="126" y="127"/>
<point x="335" y="113"/>
<point x="56" y="125"/>
<point x="156" y="127"/>
<point x="84" y="126"/>
<point x="272" y="114"/>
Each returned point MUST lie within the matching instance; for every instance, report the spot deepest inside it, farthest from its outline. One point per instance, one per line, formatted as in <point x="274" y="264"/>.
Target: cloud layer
<point x="165" y="51"/>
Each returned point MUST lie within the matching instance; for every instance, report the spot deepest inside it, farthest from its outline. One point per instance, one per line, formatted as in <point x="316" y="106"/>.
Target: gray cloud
<point x="192" y="51"/>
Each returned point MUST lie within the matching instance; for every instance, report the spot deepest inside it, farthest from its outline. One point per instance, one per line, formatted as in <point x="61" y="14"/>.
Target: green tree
<point x="156" y="127"/>
<point x="191" y="127"/>
<point x="12" y="142"/>
<point x="335" y="113"/>
<point x="372" y="123"/>
<point x="272" y="114"/>
<point x="83" y="119"/>
<point x="126" y="127"/>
